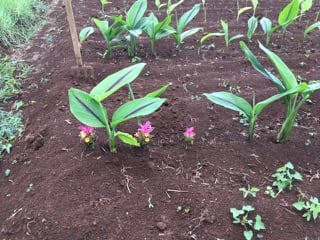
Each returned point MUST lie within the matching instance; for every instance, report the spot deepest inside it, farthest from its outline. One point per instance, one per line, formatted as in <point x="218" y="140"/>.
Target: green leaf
<point x="210" y="35"/>
<point x="259" y="225"/>
<point x="289" y="13"/>
<point x="242" y="10"/>
<point x="248" y="208"/>
<point x="266" y="25"/>
<point x="127" y="138"/>
<point x="258" y="108"/>
<point x="136" y="108"/>
<point x="135" y="13"/>
<point x="254" y="3"/>
<point x="189" y="32"/>
<point x="86" y="109"/>
<point x="297" y="176"/>
<point x="248" y="235"/>
<point x="258" y="67"/>
<point x="171" y="7"/>
<point x="236" y="213"/>
<point x="311" y="27"/>
<point x="158" y="92"/>
<point x="85" y="33"/>
<point x="235" y="37"/>
<point x="289" y="165"/>
<point x="252" y="26"/>
<point x="187" y="17"/>
<point x="288" y="78"/>
<point x="305" y="5"/>
<point x="299" y="205"/>
<point x="231" y="101"/>
<point x="115" y="81"/>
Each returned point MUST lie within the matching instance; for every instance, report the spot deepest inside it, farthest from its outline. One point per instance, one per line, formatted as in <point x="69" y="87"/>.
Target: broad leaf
<point x="305" y="5"/>
<point x="258" y="108"/>
<point x="289" y="14"/>
<point x="188" y="33"/>
<point x="171" y="7"/>
<point x="236" y="212"/>
<point x="259" y="225"/>
<point x="248" y="235"/>
<point x="158" y="92"/>
<point x="127" y="138"/>
<point x="85" y="33"/>
<point x="258" y="67"/>
<point x="87" y="109"/>
<point x="248" y="208"/>
<point x="288" y="78"/>
<point x="115" y="81"/>
<point x="136" y="108"/>
<point x="266" y="25"/>
<point x="187" y="17"/>
<point x="231" y="101"/>
<point x="135" y="13"/>
<point x="299" y="205"/>
<point x="252" y="26"/>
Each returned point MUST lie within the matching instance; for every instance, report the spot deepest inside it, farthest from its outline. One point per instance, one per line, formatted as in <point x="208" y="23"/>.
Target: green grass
<point x="9" y="85"/>
<point x="11" y="126"/>
<point x="19" y="20"/>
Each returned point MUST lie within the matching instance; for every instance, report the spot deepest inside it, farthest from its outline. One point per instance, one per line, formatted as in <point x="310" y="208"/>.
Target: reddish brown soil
<point x="79" y="194"/>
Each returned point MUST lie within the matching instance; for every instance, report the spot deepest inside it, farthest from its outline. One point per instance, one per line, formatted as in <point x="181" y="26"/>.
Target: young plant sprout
<point x="180" y="35"/>
<point x="299" y="92"/>
<point x="143" y="134"/>
<point x="189" y="135"/>
<point x="310" y="205"/>
<point x="225" y="34"/>
<point x="87" y="136"/>
<point x="243" y="218"/>
<point x="89" y="110"/>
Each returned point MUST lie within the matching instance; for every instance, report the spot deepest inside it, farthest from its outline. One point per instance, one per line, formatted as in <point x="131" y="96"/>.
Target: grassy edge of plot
<point x="19" y="21"/>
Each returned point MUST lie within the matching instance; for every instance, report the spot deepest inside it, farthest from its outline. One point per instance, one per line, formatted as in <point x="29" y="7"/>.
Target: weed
<point x="249" y="191"/>
<point x="310" y="206"/>
<point x="11" y="126"/>
<point x="241" y="216"/>
<point x="284" y="179"/>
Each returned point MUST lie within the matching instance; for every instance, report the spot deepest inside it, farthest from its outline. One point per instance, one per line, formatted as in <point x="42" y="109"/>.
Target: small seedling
<point x="180" y="35"/>
<point x="249" y="191"/>
<point x="159" y="4"/>
<point x="224" y="33"/>
<point x="252" y="27"/>
<point x="310" y="28"/>
<point x="285" y="177"/>
<point x="310" y="206"/>
<point x="241" y="216"/>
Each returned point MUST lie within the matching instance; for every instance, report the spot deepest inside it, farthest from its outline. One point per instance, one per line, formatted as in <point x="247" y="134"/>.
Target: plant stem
<point x="112" y="142"/>
<point x="288" y="124"/>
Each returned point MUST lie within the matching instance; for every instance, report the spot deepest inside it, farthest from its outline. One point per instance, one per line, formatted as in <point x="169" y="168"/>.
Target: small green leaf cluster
<point x="252" y="191"/>
<point x="285" y="177"/>
<point x="310" y="206"/>
<point x="124" y="31"/>
<point x="242" y="217"/>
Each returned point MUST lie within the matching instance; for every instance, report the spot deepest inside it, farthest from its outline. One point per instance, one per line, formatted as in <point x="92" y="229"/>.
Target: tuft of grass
<point x="19" y="20"/>
<point x="11" y="127"/>
<point x="9" y="85"/>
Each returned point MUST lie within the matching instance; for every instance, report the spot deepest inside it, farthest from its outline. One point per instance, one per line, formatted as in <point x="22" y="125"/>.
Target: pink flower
<point x="87" y="130"/>
<point x="145" y="128"/>
<point x="189" y="133"/>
